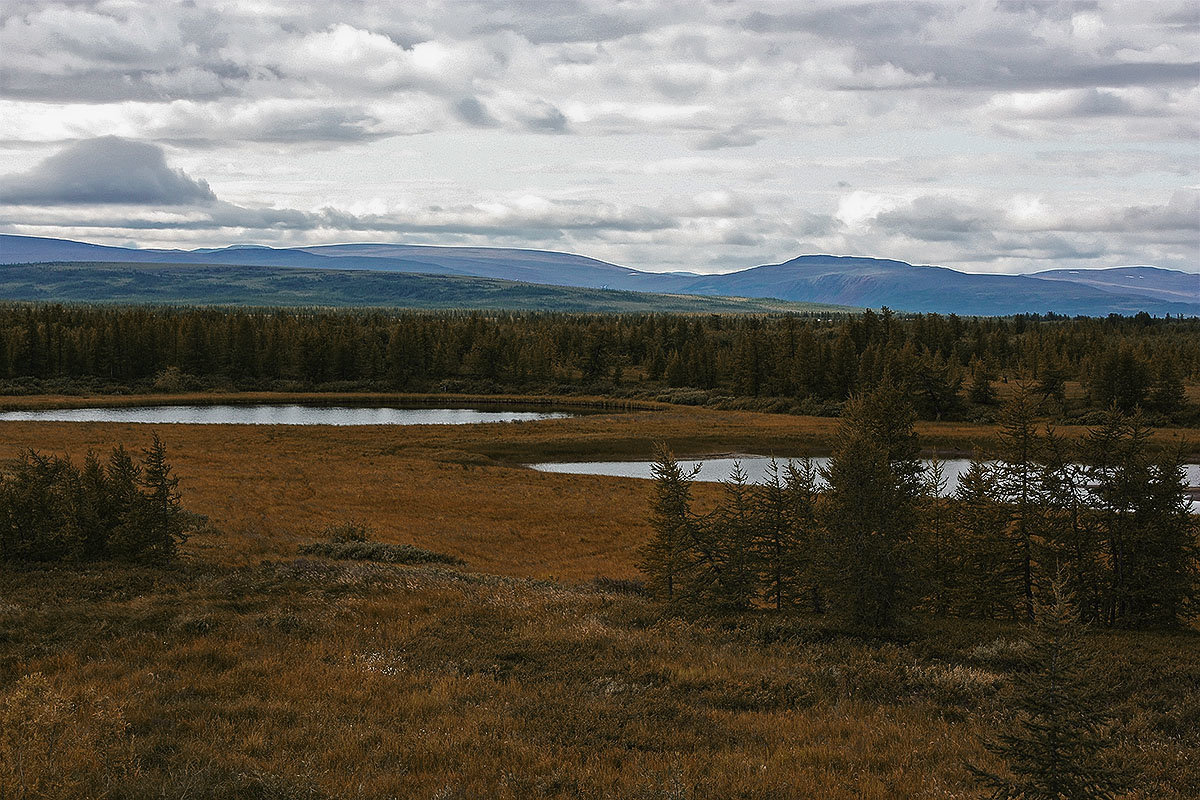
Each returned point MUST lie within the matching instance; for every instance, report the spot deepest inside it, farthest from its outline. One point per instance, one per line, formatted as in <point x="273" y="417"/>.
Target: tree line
<point x="54" y="510"/>
<point x="874" y="535"/>
<point x="947" y="365"/>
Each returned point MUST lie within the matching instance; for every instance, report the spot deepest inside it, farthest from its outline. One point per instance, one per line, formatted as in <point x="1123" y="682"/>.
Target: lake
<point x="288" y="415"/>
<point x="755" y="467"/>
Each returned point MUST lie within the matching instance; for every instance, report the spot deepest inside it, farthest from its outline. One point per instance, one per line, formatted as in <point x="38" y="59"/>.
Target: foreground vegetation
<point x="305" y="678"/>
<point x="539" y="668"/>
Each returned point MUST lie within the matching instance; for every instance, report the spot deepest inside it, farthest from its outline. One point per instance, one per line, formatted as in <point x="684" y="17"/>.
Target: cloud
<point x="734" y="137"/>
<point x="542" y="117"/>
<point x="106" y="170"/>
<point x="919" y="130"/>
<point x="473" y="112"/>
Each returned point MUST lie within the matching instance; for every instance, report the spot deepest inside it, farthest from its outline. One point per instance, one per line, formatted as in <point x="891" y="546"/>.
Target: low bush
<point x="358" y="550"/>
<point x="627" y="586"/>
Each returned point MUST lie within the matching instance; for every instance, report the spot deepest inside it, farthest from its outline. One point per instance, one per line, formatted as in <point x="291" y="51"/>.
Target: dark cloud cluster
<point x="103" y="171"/>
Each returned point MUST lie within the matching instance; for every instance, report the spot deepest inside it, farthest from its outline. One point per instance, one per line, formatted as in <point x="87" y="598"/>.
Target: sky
<point x="1008" y="136"/>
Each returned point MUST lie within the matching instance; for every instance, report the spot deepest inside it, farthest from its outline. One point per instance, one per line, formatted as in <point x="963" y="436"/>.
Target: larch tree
<point x="730" y="534"/>
<point x="874" y="479"/>
<point x="990" y="586"/>
<point x="1019" y="450"/>
<point x="1055" y="746"/>
<point x="665" y="558"/>
<point x="775" y="540"/>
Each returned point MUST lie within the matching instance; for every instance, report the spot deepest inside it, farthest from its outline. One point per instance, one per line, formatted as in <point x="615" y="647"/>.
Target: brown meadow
<point x="245" y="671"/>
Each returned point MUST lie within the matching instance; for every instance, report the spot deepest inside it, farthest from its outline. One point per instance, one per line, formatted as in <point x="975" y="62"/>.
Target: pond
<point x="290" y="415"/>
<point x="755" y="467"/>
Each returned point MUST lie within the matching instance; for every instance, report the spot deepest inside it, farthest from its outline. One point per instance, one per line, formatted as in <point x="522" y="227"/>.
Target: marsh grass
<point x="314" y="678"/>
<point x="537" y="670"/>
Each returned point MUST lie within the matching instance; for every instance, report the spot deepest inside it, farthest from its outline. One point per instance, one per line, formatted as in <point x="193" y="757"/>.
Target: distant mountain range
<point x="239" y="285"/>
<point x="822" y="279"/>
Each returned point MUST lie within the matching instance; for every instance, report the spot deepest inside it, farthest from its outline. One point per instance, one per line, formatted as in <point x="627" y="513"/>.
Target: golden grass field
<point x="247" y="672"/>
<point x="455" y="489"/>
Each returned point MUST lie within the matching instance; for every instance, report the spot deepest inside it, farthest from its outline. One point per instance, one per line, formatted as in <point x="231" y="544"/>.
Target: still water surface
<point x="285" y="415"/>
<point x="755" y="467"/>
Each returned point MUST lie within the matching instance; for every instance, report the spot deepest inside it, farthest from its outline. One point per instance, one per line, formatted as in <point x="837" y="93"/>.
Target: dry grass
<point x="247" y="672"/>
<point x="453" y="489"/>
<point x="313" y="679"/>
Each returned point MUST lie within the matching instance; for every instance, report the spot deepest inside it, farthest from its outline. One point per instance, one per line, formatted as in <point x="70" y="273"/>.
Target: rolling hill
<point x="821" y="279"/>
<point x="1165" y="284"/>
<point x="874" y="282"/>
<point x="239" y="285"/>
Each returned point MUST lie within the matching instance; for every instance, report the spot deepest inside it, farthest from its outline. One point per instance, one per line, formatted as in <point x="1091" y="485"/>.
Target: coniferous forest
<point x="1105" y="520"/>
<point x="947" y="365"/>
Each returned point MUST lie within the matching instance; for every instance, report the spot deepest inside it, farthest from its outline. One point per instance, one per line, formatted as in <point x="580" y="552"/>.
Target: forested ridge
<point x="808" y="364"/>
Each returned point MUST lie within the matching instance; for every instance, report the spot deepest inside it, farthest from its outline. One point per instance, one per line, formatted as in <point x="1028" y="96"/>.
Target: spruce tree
<point x="989" y="585"/>
<point x="730" y="533"/>
<point x="775" y="540"/>
<point x="934" y="561"/>
<point x="980" y="391"/>
<point x="800" y="484"/>
<point x="1052" y="384"/>
<point x="1055" y="747"/>
<point x="38" y="519"/>
<point x="1072" y="533"/>
<point x="1149" y="538"/>
<point x="96" y="519"/>
<point x="163" y="512"/>
<point x="145" y="499"/>
<point x="1167" y="394"/>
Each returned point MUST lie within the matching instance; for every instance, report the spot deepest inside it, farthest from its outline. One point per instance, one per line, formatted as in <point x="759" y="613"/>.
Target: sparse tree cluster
<point x="882" y="538"/>
<point x="53" y="510"/>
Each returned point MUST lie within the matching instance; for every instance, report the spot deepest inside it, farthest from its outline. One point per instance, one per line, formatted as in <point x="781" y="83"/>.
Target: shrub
<point x="51" y="510"/>
<point x="343" y="532"/>
<point x="626" y="586"/>
<point x="377" y="551"/>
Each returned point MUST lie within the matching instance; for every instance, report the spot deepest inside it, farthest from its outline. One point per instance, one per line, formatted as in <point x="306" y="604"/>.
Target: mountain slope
<point x="1163" y="284"/>
<point x="839" y="280"/>
<point x="226" y="284"/>
<point x="874" y="282"/>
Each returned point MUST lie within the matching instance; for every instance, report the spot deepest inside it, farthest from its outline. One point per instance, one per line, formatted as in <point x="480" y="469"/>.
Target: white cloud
<point x="673" y="133"/>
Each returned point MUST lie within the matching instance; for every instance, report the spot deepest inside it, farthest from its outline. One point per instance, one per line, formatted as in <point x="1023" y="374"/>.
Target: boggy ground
<point x="461" y="490"/>
<point x="311" y="679"/>
<point x="245" y="671"/>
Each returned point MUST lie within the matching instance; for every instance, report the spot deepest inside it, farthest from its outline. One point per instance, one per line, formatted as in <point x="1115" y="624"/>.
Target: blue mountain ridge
<point x="842" y="280"/>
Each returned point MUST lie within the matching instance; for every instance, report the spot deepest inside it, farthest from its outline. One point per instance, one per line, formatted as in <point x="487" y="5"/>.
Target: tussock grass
<point x="377" y="551"/>
<point x="537" y="671"/>
<point x="311" y="678"/>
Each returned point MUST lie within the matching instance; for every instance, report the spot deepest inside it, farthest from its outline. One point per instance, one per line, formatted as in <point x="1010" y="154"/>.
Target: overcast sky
<point x="986" y="136"/>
